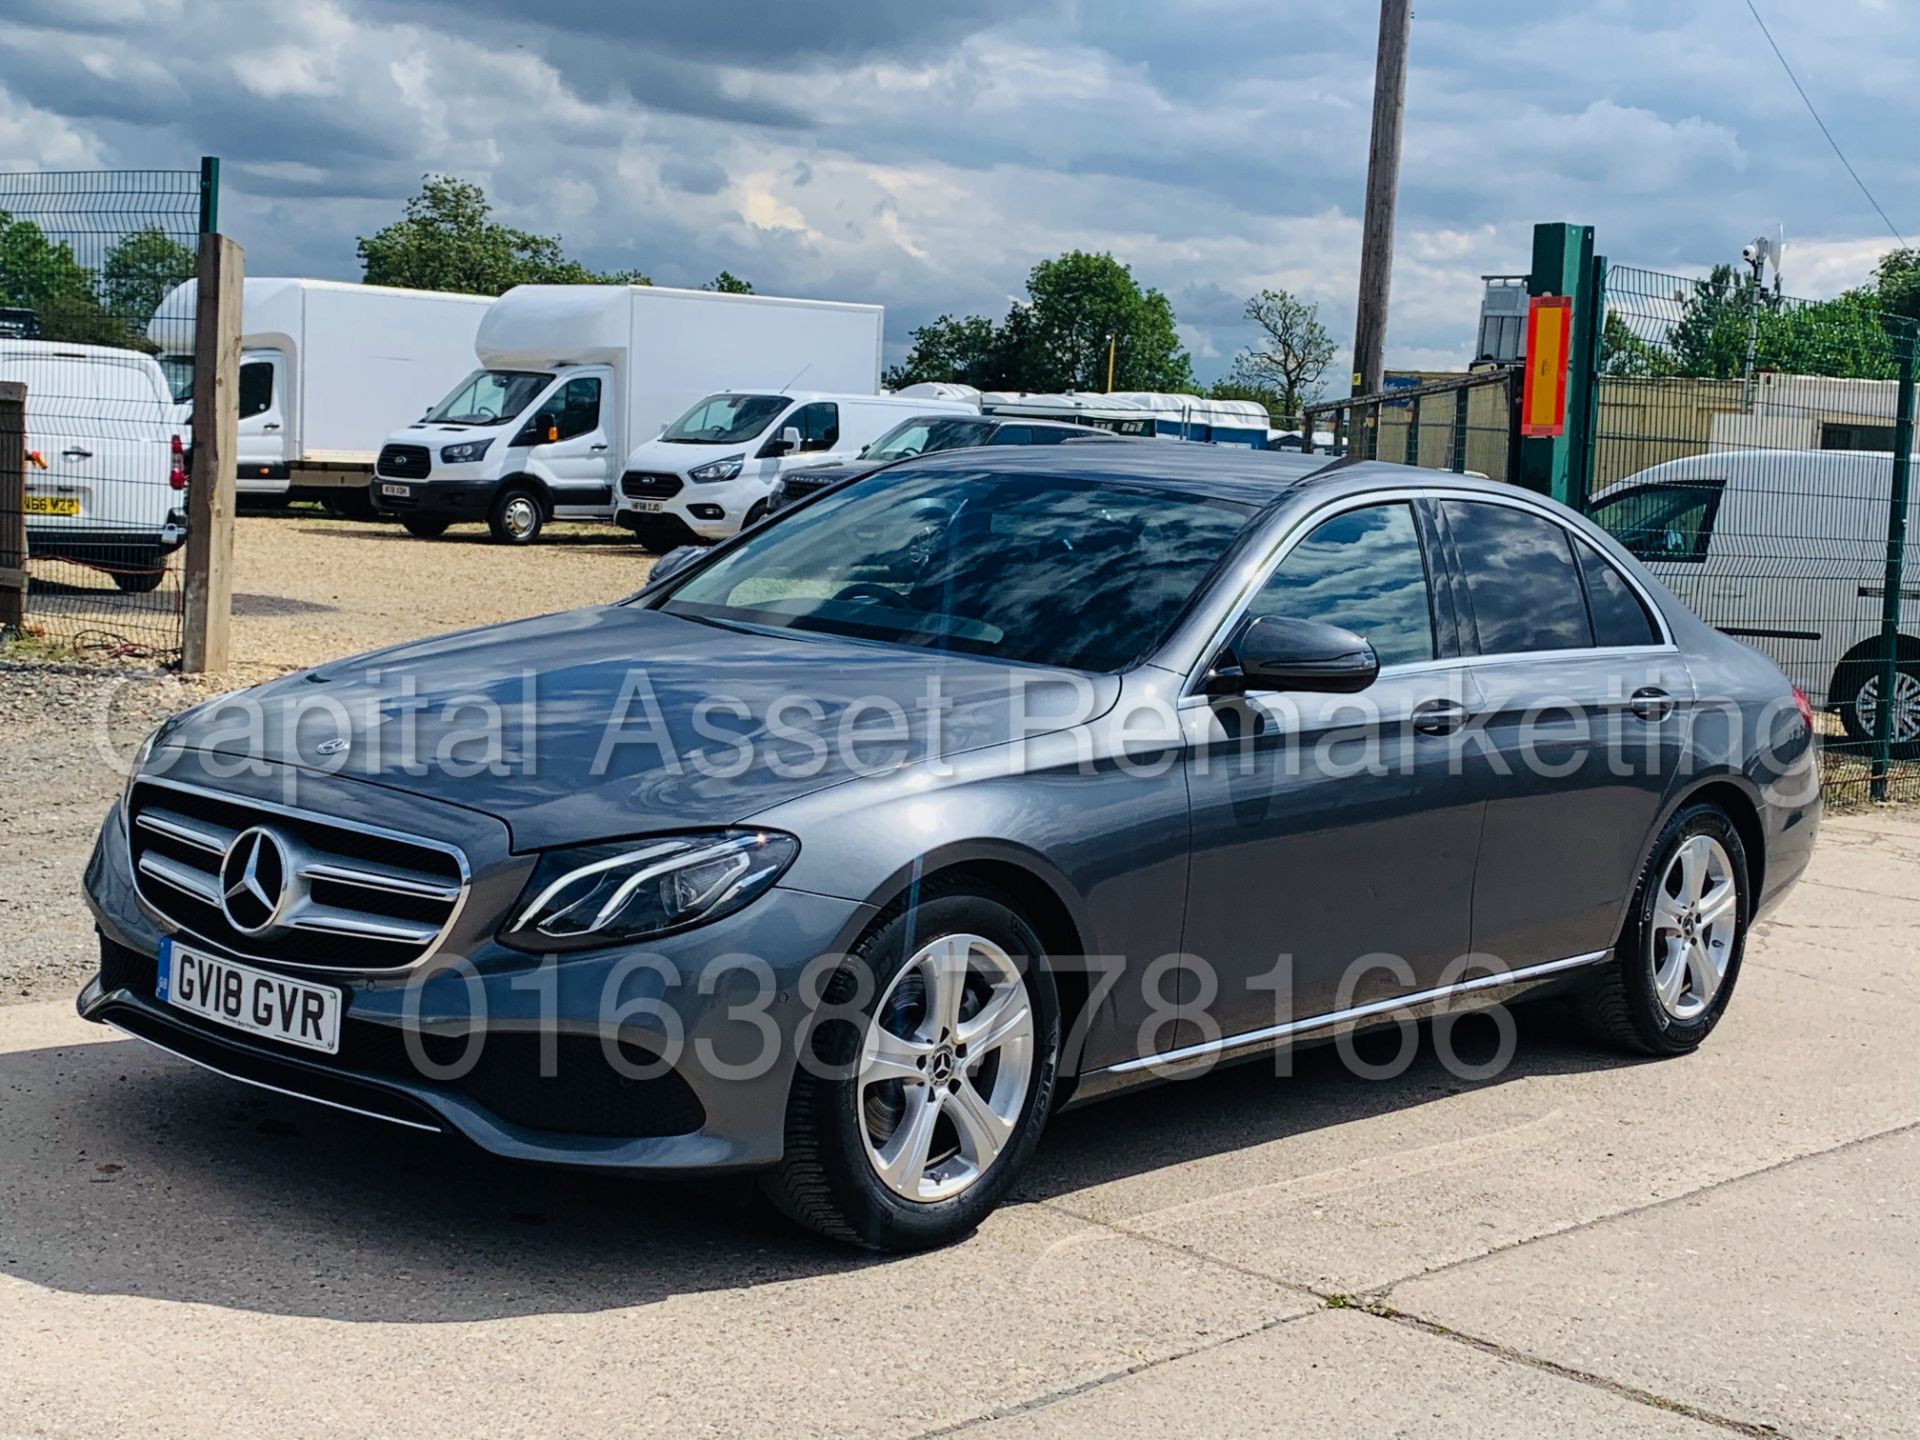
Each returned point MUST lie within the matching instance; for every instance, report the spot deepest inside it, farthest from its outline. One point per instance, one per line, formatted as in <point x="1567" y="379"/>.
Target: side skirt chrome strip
<point x="1311" y="1023"/>
<point x="276" y="1089"/>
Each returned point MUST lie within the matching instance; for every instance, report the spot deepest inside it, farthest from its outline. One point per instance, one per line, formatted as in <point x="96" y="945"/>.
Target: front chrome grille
<point x="288" y="885"/>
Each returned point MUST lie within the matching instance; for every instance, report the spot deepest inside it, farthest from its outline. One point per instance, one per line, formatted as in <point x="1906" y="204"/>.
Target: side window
<point x="1619" y="617"/>
<point x="1012" y="435"/>
<point x="1045" y="435"/>
<point x="256" y="388"/>
<point x="1364" y="571"/>
<point x="1671" y="520"/>
<point x="818" y="424"/>
<point x="1520" y="580"/>
<point x="576" y="407"/>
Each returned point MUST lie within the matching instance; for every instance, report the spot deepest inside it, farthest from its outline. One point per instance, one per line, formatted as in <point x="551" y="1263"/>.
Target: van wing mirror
<point x="1276" y="652"/>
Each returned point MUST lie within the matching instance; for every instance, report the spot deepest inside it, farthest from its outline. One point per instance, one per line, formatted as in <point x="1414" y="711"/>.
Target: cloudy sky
<point x="926" y="155"/>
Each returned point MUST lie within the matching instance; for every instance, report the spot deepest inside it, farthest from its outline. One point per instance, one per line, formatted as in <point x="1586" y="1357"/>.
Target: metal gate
<point x="86" y="257"/>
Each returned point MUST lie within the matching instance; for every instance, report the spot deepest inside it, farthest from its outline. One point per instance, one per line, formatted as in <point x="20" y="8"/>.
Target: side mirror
<point x="790" y="437"/>
<point x="863" y="451"/>
<point x="674" y="561"/>
<point x="547" y="427"/>
<point x="1273" y="652"/>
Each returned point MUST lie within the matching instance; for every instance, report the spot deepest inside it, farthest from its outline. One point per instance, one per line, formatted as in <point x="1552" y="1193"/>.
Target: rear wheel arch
<point x="1742" y="807"/>
<point x="1856" y="666"/>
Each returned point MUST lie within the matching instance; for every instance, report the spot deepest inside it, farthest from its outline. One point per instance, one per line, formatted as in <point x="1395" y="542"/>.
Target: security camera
<point x="1751" y="254"/>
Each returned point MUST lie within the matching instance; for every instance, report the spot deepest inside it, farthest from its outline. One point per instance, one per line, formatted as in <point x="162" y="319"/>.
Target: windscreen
<point x="489" y="397"/>
<point x="1045" y="569"/>
<point x="725" y="419"/>
<point x="924" y="436"/>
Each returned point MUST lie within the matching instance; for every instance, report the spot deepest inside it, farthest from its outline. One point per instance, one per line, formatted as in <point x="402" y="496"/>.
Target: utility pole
<point x="1383" y="187"/>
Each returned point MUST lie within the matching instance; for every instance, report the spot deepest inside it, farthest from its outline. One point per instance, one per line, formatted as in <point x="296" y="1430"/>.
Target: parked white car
<point x="573" y="377"/>
<point x="713" y="470"/>
<point x="106" y="461"/>
<point x="1785" y="550"/>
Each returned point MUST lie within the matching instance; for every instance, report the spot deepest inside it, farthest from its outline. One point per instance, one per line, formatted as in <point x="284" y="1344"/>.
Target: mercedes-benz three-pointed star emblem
<point x="253" y="880"/>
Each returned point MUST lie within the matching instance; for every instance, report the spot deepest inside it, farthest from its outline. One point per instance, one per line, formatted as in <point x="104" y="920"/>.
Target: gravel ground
<point x="307" y="589"/>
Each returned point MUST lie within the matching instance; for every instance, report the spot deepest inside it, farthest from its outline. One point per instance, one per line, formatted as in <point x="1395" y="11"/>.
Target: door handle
<point x="596" y="447"/>
<point x="273" y="425"/>
<point x="1651" y="703"/>
<point x="76" y="453"/>
<point x="1439" y="717"/>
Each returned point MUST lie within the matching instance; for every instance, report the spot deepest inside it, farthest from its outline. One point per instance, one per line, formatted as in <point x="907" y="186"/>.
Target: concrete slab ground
<point x="1576" y="1245"/>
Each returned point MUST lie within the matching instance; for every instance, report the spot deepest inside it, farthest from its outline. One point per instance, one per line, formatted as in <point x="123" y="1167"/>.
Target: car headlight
<point x="594" y="895"/>
<point x="727" y="469"/>
<point x="465" y="453"/>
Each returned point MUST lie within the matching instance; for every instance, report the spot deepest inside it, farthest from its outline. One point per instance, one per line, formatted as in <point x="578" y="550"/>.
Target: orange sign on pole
<point x="1543" y="400"/>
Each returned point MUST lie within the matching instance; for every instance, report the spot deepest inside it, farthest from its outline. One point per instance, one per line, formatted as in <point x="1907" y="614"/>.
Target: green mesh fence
<point x="86" y="258"/>
<point x="1748" y="449"/>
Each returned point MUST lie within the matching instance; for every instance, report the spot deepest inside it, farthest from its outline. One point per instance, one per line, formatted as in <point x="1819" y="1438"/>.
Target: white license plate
<point x="243" y="998"/>
<point x="649" y="507"/>
<point x="403" y="491"/>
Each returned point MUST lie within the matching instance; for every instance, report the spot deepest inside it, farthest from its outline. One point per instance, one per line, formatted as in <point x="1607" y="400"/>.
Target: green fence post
<point x="1413" y="431"/>
<point x="209" y="194"/>
<point x="1587" y="363"/>
<point x="1896" y="571"/>
<point x="1562" y="265"/>
<point x="1459" y="461"/>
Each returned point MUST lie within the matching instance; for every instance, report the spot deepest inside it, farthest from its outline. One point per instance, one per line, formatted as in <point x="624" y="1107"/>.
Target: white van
<point x="713" y="470"/>
<point x="327" y="371"/>
<point x="106" y="461"/>
<point x="1785" y="550"/>
<point x="572" y="377"/>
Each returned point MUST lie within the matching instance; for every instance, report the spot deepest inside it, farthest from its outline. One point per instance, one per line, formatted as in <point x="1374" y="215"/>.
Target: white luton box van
<point x="327" y="371"/>
<point x="106" y="461"/>
<point x="573" y="377"/>
<point x="713" y="470"/>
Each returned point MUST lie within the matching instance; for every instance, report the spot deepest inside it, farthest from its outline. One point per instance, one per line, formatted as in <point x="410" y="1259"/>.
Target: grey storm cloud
<point x="927" y="156"/>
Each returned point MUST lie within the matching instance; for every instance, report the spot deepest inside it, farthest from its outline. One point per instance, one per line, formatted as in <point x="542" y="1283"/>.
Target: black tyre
<point x="923" y="1092"/>
<point x="1856" y="694"/>
<point x="517" y="517"/>
<point x="1678" y="958"/>
<point x="140" y="582"/>
<point x="755" y="514"/>
<point x="354" y="504"/>
<point x="656" y="544"/>
<point x="424" y="527"/>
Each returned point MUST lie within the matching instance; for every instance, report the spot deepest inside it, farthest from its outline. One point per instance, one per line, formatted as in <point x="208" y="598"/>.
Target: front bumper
<point x="516" y="1048"/>
<point x="449" y="500"/>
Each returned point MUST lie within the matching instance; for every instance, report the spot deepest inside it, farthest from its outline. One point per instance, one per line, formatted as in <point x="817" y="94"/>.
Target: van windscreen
<point x="489" y="397"/>
<point x="725" y="419"/>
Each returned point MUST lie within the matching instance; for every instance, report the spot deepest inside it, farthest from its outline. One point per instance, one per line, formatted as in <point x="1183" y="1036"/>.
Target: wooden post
<point x="216" y="416"/>
<point x="1383" y="188"/>
<point x="13" y="506"/>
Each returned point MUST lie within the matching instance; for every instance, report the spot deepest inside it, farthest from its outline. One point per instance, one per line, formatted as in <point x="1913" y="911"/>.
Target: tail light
<point x="1804" y="706"/>
<point x="177" y="476"/>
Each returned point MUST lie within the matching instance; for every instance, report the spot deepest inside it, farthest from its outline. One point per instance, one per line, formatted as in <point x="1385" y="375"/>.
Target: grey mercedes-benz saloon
<point x="1007" y="779"/>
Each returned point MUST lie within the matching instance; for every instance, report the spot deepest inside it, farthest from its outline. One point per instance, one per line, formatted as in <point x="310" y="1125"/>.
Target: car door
<point x="578" y="464"/>
<point x="261" y="435"/>
<point x="1583" y="709"/>
<point x="1333" y="836"/>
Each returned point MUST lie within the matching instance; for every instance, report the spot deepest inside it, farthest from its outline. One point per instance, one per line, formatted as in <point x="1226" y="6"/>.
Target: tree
<point x="140" y="270"/>
<point x="1058" y="340"/>
<point x="1896" y="283"/>
<point x="1293" y="356"/>
<point x="448" y="240"/>
<point x="960" y="352"/>
<point x="1079" y="303"/>
<point x="43" y="276"/>
<point x="1624" y="353"/>
<point x="728" y="283"/>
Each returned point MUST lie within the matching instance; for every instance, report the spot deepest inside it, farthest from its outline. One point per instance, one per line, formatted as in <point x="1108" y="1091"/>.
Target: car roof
<point x="1250" y="477"/>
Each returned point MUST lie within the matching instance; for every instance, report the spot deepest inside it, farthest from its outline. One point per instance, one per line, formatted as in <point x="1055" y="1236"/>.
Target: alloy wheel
<point x="945" y="1068"/>
<point x="1906" y="706"/>
<point x="1696" y="913"/>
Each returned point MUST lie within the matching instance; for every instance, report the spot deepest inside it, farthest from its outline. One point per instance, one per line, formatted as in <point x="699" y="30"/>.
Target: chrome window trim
<point x="1309" y="1024"/>
<point x="431" y="948"/>
<point x="1408" y="494"/>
